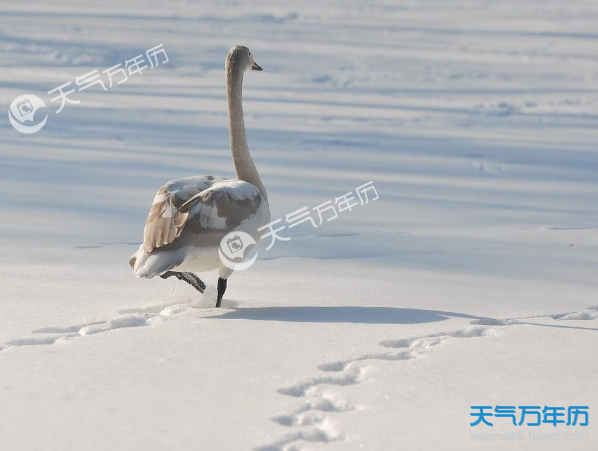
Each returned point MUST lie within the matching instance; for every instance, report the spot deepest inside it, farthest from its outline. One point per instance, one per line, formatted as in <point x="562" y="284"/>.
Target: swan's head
<point x="241" y="56"/>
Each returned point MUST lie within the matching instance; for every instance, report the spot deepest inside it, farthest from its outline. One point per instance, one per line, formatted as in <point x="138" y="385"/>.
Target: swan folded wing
<point x="202" y="219"/>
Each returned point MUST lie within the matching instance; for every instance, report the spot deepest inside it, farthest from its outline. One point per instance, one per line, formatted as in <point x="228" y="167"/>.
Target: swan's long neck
<point x="244" y="165"/>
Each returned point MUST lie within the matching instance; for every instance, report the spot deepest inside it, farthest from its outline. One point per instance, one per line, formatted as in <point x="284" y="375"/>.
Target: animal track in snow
<point x="586" y="315"/>
<point x="313" y="421"/>
<point x="324" y="433"/>
<point x="131" y="317"/>
<point x="490" y="168"/>
<point x="352" y="377"/>
<point x="64" y="333"/>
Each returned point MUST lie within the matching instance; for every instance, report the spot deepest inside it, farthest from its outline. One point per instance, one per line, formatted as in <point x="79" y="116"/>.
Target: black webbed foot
<point x="188" y="277"/>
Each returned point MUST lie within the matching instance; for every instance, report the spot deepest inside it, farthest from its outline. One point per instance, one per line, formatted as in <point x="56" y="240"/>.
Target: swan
<point x="189" y="217"/>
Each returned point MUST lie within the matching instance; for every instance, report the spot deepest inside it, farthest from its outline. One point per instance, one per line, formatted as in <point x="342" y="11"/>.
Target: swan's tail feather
<point x="149" y="265"/>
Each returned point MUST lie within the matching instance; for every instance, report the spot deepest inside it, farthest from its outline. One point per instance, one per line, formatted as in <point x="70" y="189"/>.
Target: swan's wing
<point x="164" y="222"/>
<point x="185" y="214"/>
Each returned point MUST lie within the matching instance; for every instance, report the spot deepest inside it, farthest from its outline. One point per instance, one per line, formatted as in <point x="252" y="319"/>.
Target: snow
<point x="470" y="281"/>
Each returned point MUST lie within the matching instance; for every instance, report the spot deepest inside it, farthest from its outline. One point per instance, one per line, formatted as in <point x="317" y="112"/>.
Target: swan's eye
<point x="249" y="53"/>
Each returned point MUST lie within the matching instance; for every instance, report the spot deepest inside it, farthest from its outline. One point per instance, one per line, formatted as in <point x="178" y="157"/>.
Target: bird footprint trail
<point x="130" y="318"/>
<point x="586" y="315"/>
<point x="313" y="421"/>
<point x="63" y="333"/>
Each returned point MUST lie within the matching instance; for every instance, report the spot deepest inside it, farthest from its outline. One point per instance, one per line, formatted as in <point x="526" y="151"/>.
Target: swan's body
<point x="189" y="217"/>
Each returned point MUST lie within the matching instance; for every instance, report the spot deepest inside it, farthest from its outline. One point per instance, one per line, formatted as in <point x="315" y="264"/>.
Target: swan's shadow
<point x="343" y="314"/>
<point x="367" y="315"/>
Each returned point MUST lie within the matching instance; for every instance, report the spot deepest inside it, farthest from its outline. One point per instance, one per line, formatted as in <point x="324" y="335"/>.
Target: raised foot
<point x="188" y="277"/>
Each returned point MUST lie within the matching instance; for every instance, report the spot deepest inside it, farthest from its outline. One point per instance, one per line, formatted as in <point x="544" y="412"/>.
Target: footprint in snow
<point x="97" y="327"/>
<point x="313" y="420"/>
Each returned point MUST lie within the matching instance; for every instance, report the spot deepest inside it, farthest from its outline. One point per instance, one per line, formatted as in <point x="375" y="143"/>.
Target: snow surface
<point x="470" y="281"/>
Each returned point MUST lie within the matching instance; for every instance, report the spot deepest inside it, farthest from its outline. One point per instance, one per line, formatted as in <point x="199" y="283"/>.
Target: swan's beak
<point x="255" y="66"/>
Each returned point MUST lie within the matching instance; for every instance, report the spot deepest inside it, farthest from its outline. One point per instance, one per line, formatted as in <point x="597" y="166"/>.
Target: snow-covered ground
<point x="472" y="280"/>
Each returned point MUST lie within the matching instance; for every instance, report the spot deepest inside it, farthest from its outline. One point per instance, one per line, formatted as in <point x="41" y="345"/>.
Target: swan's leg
<point x="198" y="285"/>
<point x="221" y="290"/>
<point x="188" y="277"/>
